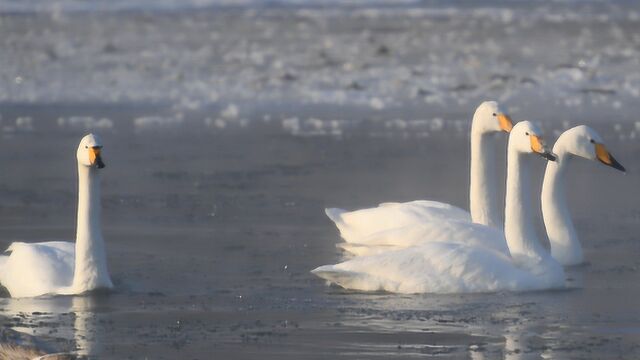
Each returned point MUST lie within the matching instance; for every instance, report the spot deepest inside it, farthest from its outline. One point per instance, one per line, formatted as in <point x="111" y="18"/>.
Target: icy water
<point x="211" y="238"/>
<point x="228" y="130"/>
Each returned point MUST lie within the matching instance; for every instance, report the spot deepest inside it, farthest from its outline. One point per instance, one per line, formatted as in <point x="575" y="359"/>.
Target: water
<point x="227" y="132"/>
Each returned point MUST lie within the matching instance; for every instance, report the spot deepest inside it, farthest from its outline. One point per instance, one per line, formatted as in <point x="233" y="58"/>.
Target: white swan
<point x="59" y="267"/>
<point x="488" y="119"/>
<point x="565" y="247"/>
<point x="578" y="141"/>
<point x="457" y="267"/>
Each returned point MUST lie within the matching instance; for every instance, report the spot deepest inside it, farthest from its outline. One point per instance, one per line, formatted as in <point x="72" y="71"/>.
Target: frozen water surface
<point x="228" y="127"/>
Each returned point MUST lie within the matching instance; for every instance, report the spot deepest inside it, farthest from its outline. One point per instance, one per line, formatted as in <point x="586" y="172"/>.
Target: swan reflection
<point x="58" y="324"/>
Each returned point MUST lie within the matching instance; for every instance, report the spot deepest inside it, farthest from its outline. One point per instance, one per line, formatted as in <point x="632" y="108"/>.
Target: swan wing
<point x="446" y="230"/>
<point x="356" y="249"/>
<point x="37" y="269"/>
<point x="358" y="224"/>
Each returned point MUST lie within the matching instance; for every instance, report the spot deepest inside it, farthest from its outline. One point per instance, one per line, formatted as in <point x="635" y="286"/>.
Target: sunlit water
<point x="228" y="131"/>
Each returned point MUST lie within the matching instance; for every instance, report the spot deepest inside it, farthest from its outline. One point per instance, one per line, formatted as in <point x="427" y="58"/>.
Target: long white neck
<point x="518" y="225"/>
<point x="483" y="192"/>
<point x="91" y="262"/>
<point x="565" y="246"/>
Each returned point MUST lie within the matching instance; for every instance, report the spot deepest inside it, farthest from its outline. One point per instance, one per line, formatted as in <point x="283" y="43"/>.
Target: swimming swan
<point x="59" y="267"/>
<point x="488" y="119"/>
<point x="580" y="141"/>
<point x="451" y="267"/>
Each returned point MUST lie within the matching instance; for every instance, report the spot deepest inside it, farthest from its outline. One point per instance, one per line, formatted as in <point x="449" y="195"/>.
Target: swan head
<point x="585" y="142"/>
<point x="490" y="118"/>
<point x="89" y="152"/>
<point x="526" y="138"/>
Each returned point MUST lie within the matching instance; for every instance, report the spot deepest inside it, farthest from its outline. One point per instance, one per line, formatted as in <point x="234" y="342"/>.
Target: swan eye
<point x="527" y="133"/>
<point x="494" y="114"/>
<point x="592" y="141"/>
<point x="86" y="147"/>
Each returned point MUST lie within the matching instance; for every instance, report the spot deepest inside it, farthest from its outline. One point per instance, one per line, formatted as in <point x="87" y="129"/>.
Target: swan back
<point x="38" y="269"/>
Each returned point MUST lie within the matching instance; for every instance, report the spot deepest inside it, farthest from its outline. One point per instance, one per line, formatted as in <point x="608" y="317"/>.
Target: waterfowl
<point x="488" y="119"/>
<point x="461" y="267"/>
<point x="59" y="267"/>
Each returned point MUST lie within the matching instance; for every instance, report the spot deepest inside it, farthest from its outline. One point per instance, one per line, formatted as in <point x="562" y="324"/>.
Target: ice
<point x="230" y="112"/>
<point x="217" y="123"/>
<point x="381" y="57"/>
<point x="291" y="125"/>
<point x="21" y="124"/>
<point x="85" y="122"/>
<point x="437" y="124"/>
<point x="156" y="122"/>
<point x="376" y="103"/>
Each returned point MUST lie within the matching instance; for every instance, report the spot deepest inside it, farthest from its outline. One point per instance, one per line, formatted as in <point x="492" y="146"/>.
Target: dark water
<point x="211" y="238"/>
<point x="227" y="131"/>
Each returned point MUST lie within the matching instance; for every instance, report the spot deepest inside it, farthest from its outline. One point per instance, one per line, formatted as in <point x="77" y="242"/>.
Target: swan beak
<point x="506" y="124"/>
<point x="537" y="145"/>
<point x="95" y="158"/>
<point x="606" y="158"/>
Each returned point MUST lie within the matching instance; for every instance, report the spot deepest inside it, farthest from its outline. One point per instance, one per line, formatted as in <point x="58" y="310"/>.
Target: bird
<point x="488" y="119"/>
<point x="463" y="267"/>
<point x="60" y="267"/>
<point x="580" y="141"/>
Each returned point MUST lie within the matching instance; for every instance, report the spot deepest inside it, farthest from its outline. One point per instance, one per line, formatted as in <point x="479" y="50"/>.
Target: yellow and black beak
<point x="505" y="122"/>
<point x="537" y="145"/>
<point x="606" y="158"/>
<point x="95" y="158"/>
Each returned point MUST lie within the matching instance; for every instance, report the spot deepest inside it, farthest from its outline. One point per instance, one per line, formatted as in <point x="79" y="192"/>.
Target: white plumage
<point x="58" y="267"/>
<point x="463" y="257"/>
<point x="488" y="119"/>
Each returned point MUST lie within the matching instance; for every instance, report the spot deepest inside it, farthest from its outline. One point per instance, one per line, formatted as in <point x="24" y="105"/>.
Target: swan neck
<point x="88" y="217"/>
<point x="565" y="246"/>
<point x="519" y="229"/>
<point x="90" y="259"/>
<point x="483" y="192"/>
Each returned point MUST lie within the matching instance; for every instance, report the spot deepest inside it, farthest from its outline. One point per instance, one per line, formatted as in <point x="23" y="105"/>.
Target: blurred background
<point x="230" y="125"/>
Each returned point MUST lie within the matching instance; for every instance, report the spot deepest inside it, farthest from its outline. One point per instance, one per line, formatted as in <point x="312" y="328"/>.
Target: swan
<point x="58" y="267"/>
<point x="581" y="141"/>
<point x="459" y="267"/>
<point x="488" y="119"/>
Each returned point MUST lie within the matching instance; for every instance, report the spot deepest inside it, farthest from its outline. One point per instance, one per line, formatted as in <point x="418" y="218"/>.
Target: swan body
<point x="488" y="119"/>
<point x="457" y="266"/>
<point x="444" y="268"/>
<point x="58" y="267"/>
<point x="579" y="141"/>
<point x="358" y="226"/>
<point x="447" y="230"/>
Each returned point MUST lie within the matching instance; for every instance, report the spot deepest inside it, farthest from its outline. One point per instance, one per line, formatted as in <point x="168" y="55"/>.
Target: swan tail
<point x="5" y="258"/>
<point x="335" y="214"/>
<point x="348" y="279"/>
<point x="3" y="263"/>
